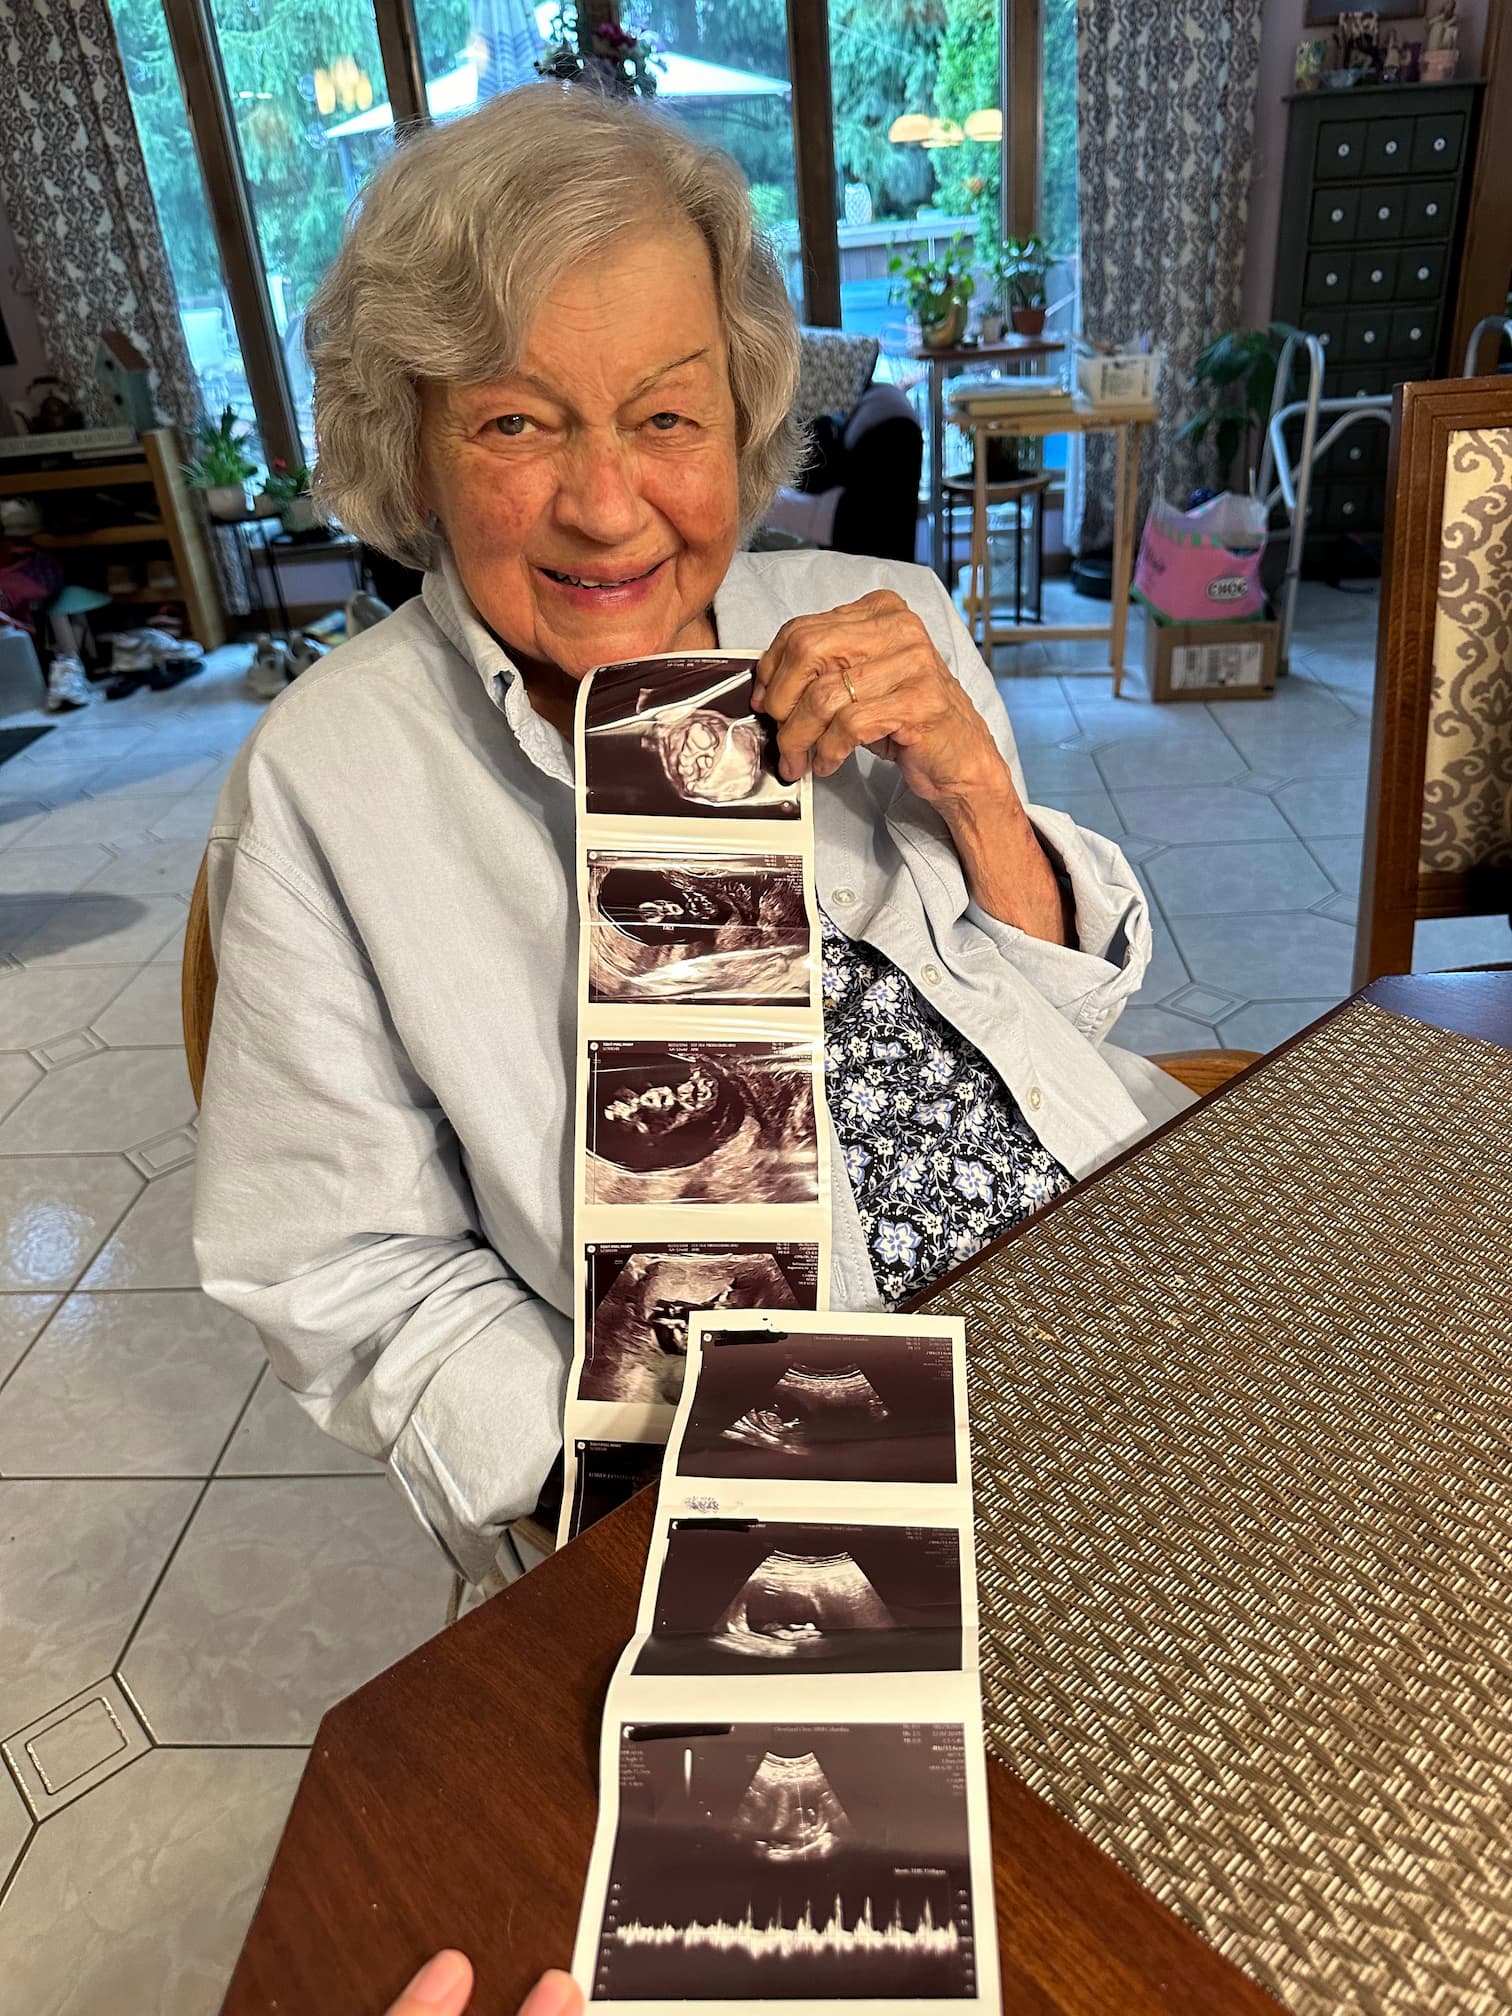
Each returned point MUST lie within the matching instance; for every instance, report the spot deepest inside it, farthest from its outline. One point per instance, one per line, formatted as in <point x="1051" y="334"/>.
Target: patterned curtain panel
<point x="1467" y="784"/>
<point x="76" y="192"/>
<point x="1167" y="115"/>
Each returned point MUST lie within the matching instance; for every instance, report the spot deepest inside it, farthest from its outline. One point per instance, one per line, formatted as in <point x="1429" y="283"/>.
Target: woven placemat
<point x="1242" y="1417"/>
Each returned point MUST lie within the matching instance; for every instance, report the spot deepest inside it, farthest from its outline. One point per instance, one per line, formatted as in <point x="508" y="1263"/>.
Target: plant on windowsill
<point x="1022" y="268"/>
<point x="937" y="291"/>
<point x="220" y="466"/>
<point x="600" y="53"/>
<point x="288" y="491"/>
<point x="1235" y="377"/>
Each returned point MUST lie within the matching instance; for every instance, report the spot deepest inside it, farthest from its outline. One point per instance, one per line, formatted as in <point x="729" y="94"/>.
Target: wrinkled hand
<point x="444" y="1984"/>
<point x="907" y="707"/>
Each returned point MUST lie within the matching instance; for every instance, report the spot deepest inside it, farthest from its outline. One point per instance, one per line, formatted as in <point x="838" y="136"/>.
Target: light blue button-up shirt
<point x="385" y="1181"/>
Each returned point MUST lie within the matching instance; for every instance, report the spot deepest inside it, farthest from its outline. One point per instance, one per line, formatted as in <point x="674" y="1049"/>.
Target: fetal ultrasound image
<point x="854" y="1409"/>
<point x="665" y="928"/>
<point x="757" y="1595"/>
<point x="607" y="1474"/>
<point x="701" y="1123"/>
<point x="678" y="738"/>
<point x="791" y="1862"/>
<point x="640" y="1299"/>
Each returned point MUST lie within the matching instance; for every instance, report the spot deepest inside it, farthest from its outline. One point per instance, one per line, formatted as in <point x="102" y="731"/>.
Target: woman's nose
<point x="600" y="491"/>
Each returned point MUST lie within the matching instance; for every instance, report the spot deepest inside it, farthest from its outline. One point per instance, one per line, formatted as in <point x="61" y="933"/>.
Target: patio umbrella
<point x="504" y="44"/>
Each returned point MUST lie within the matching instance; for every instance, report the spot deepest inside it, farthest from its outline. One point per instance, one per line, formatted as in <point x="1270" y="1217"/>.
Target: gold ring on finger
<point x="849" y="687"/>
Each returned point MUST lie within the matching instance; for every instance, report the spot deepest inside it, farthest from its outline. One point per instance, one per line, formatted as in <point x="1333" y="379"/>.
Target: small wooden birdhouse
<point x="125" y="380"/>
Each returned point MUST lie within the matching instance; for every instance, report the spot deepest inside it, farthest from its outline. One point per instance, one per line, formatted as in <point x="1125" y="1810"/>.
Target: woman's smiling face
<point x="590" y="497"/>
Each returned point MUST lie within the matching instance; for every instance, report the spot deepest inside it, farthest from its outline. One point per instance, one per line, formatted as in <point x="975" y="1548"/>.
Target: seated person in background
<point x="553" y="365"/>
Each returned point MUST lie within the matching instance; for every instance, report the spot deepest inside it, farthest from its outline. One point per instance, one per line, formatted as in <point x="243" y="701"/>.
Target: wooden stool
<point x="1027" y="492"/>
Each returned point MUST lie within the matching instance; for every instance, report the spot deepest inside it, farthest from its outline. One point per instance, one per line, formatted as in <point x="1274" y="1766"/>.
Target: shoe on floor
<point x="67" y="687"/>
<point x="269" y="672"/>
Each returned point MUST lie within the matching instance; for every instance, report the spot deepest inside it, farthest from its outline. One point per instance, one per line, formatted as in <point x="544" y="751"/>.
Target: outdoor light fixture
<point x="943" y="133"/>
<point x="986" y="126"/>
<point x="910" y="129"/>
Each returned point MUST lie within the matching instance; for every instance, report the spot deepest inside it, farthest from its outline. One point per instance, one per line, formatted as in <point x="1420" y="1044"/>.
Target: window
<point x="304" y="78"/>
<point x="723" y="73"/>
<point x="918" y="139"/>
<point x="157" y="102"/>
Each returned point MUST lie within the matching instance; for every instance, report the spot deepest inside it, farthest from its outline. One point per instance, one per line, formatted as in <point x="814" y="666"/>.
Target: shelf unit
<point x="177" y="526"/>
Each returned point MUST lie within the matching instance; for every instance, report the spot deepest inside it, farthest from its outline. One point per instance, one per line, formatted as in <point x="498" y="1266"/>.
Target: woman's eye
<point x="511" y="425"/>
<point x="665" y="422"/>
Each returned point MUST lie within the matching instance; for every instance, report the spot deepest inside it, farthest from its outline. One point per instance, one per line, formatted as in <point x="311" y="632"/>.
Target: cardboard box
<point x="1210" y="661"/>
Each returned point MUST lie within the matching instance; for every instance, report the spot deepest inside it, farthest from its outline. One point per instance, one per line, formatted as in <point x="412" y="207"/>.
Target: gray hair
<point x="457" y="241"/>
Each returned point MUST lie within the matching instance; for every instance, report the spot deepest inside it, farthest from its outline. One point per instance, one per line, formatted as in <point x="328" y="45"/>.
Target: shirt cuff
<point x="1088" y="982"/>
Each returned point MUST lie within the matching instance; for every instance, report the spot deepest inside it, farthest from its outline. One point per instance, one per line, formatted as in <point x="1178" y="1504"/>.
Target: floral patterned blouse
<point x="940" y="1158"/>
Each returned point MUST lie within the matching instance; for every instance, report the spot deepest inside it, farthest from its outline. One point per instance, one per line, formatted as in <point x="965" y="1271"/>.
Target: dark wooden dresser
<point x="1372" y="224"/>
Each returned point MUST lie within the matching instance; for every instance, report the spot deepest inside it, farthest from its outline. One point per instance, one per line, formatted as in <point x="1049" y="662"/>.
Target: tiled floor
<point x="189" y="1573"/>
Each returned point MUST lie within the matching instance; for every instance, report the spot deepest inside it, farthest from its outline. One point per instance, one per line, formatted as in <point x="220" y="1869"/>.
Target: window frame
<point x="192" y="34"/>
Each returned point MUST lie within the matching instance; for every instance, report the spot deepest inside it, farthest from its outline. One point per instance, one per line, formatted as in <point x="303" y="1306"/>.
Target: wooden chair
<point x="1201" y="1071"/>
<point x="1438" y="823"/>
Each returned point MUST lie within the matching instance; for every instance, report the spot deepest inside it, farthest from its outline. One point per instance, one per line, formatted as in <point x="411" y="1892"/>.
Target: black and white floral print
<point x="939" y="1156"/>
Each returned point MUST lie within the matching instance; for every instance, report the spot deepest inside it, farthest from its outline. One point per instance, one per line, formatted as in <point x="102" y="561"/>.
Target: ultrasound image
<point x="607" y="1475"/>
<point x="845" y="1409"/>
<point x="791" y="1862"/>
<point x="662" y="928"/>
<point x="754" y="1595"/>
<point x="701" y="1123"/>
<point x="640" y="1300"/>
<point x="677" y="737"/>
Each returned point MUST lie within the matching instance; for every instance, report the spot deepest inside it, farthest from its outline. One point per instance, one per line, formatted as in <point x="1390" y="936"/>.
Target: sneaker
<point x="269" y="673"/>
<point x="67" y="686"/>
<point x="169" y="650"/>
<point x="129" y="652"/>
<point x="305" y="651"/>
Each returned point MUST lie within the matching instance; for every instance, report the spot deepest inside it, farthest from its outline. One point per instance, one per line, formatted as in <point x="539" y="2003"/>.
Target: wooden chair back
<point x="197" y="982"/>
<point x="1438" y="823"/>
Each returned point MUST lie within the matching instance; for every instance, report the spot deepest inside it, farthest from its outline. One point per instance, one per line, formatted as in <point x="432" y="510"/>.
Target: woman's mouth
<point x="607" y="586"/>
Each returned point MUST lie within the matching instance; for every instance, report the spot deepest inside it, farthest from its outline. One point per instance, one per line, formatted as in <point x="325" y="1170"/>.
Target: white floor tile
<point x="141" y="1384"/>
<point x="151" y="1248"/>
<point x="59" y="1211"/>
<point x="21" y="1317"/>
<point x="40" y="1004"/>
<point x="276" y="1438"/>
<point x="111" y="1101"/>
<point x="81" y="1557"/>
<point x="136" y="1898"/>
<point x="100" y="930"/>
<point x="287" y="1593"/>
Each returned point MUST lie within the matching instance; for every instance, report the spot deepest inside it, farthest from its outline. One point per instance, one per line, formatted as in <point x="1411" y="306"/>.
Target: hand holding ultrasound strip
<point x="792" y="1790"/>
<point x="702" y="1166"/>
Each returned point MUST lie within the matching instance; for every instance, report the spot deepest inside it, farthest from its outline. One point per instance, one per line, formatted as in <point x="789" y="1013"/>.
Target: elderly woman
<point x="554" y="364"/>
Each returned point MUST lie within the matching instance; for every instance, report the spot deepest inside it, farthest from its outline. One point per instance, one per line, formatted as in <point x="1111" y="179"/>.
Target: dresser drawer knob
<point x="1384" y="212"/>
<point x="1391" y="146"/>
<point x="1377" y="275"/>
<point x="1336" y="216"/>
<point x="1422" y="273"/>
<point x="1432" y="210"/>
<point x="1370" y="335"/>
<point x="1439" y="144"/>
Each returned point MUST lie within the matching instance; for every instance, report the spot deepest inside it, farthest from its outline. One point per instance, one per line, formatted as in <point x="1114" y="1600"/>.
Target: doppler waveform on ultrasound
<point x="790" y="1862"/>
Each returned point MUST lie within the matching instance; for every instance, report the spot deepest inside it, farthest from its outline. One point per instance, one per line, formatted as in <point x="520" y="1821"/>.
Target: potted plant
<point x="937" y="291"/>
<point x="220" y="466"/>
<point x="289" y="493"/>
<point x="1234" y="378"/>
<point x="1023" y="265"/>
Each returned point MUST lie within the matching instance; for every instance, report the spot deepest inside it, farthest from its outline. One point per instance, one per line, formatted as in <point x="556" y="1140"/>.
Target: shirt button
<point x="1036" y="1098"/>
<point x="844" y="897"/>
<point x="931" y="975"/>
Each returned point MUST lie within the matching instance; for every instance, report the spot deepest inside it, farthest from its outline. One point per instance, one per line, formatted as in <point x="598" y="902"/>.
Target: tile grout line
<point x="120" y="1659"/>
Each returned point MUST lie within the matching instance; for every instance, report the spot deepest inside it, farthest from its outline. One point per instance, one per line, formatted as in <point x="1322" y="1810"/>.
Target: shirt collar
<point x="744" y="618"/>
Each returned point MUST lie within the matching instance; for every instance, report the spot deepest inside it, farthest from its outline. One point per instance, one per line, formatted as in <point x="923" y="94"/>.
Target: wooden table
<point x="1008" y="350"/>
<point x="1076" y="416"/>
<point x="451" y="1801"/>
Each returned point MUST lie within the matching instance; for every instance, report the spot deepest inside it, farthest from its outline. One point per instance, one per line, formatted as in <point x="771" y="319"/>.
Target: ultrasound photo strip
<point x="793" y="1796"/>
<point x="701" y="1135"/>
